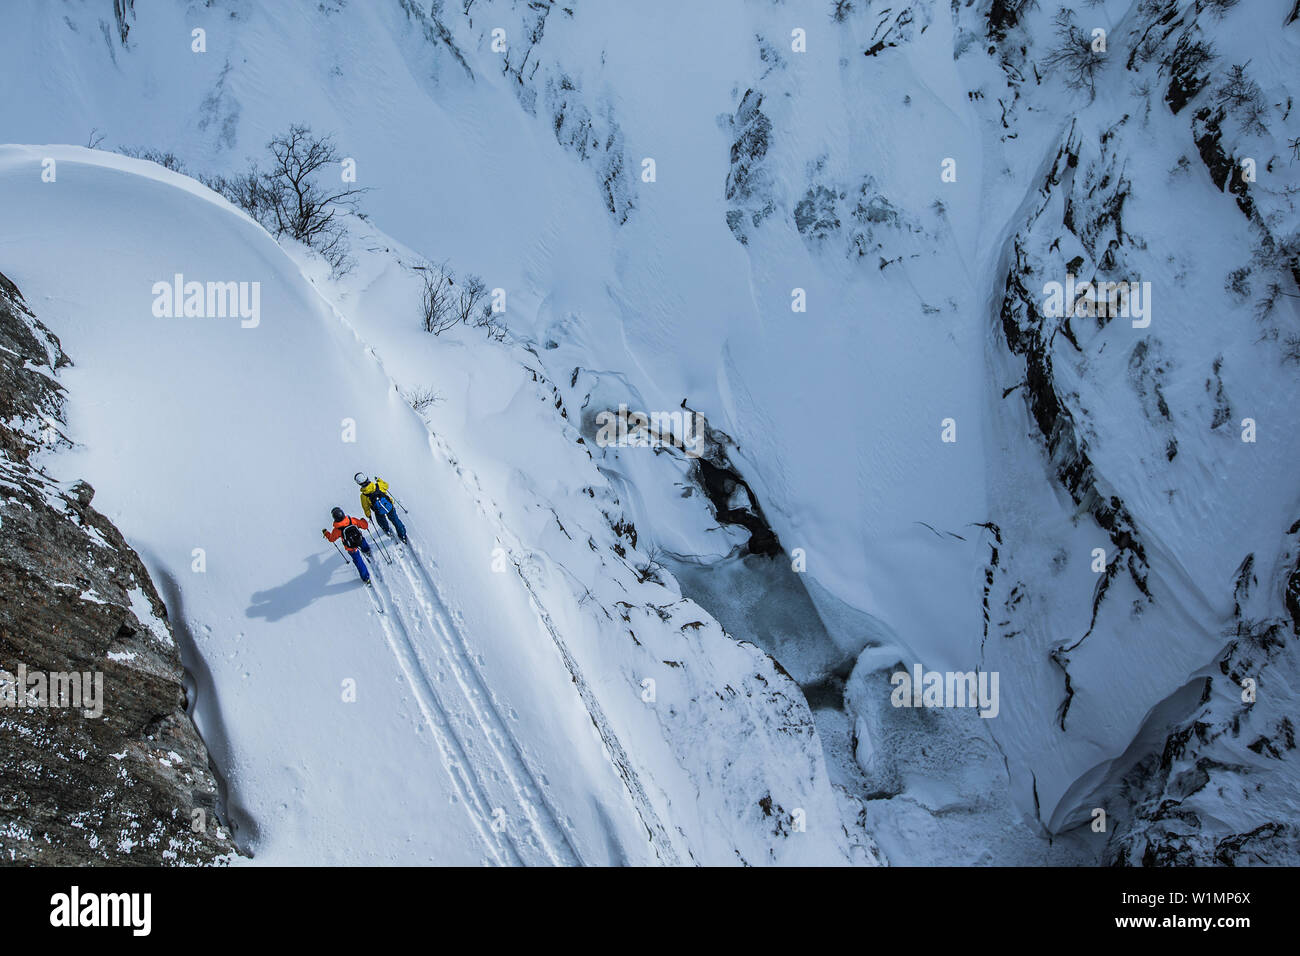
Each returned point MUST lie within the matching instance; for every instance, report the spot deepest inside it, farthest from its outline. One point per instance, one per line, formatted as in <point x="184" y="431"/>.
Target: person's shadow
<point x="298" y="592"/>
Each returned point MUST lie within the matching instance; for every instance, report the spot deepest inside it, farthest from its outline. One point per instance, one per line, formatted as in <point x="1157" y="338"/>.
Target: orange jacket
<point x="340" y="525"/>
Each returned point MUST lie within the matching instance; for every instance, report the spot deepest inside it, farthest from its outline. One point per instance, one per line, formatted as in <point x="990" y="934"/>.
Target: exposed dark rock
<point x="435" y="31"/>
<point x="990" y="570"/>
<point x="133" y="785"/>
<point x="895" y="26"/>
<point x="1094" y="195"/>
<point x="1207" y="132"/>
<point x="1148" y="366"/>
<point x="747" y="181"/>
<point x="733" y="500"/>
<point x="1165" y="828"/>
<point x="1026" y="336"/>
<point x="1188" y="70"/>
<point x="123" y="13"/>
<point x="815" y="215"/>
<point x="721" y="484"/>
<point x="1003" y="15"/>
<point x="1222" y="408"/>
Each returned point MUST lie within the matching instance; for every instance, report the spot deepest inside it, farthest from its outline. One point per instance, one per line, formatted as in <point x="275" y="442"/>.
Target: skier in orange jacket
<point x="349" y="529"/>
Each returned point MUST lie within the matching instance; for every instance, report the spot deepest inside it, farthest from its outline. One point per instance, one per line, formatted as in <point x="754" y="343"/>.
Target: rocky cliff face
<point x="99" y="760"/>
<point x="1205" y="779"/>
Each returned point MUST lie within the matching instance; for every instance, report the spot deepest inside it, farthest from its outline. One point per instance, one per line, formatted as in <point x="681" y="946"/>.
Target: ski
<point x="375" y="598"/>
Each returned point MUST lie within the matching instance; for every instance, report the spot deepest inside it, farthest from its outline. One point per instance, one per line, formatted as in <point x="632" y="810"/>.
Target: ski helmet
<point x="337" y="514"/>
<point x="361" y="479"/>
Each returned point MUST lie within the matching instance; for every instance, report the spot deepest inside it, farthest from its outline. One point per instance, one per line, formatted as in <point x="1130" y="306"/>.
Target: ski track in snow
<point x="542" y="817"/>
<point x="464" y="720"/>
<point x="418" y="675"/>
<point x="455" y="755"/>
<point x="658" y="836"/>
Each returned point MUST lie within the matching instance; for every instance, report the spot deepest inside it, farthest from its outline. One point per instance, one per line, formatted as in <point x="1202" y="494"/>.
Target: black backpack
<point x="352" y="536"/>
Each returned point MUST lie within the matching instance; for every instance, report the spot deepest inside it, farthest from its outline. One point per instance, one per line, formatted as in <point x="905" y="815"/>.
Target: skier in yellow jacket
<point x="378" y="503"/>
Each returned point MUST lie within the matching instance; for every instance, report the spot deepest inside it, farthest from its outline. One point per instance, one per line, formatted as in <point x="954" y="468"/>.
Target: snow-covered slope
<point x="222" y="444"/>
<point x="913" y="176"/>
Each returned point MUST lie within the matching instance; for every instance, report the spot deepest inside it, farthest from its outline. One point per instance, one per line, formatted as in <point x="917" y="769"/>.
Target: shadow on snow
<point x="300" y="591"/>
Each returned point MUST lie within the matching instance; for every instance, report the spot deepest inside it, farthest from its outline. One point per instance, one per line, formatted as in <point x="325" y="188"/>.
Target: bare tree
<point x="1237" y="88"/>
<point x="296" y="202"/>
<point x="470" y="300"/>
<point x="1242" y="96"/>
<point x="1074" y="55"/>
<point x="1254" y="117"/>
<point x="291" y="197"/>
<point x="436" y="311"/>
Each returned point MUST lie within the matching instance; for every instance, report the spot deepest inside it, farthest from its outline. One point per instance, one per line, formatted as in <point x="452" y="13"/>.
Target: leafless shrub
<point x="1253" y="117"/>
<point x="243" y="190"/>
<point x="1241" y="96"/>
<point x="653" y="569"/>
<point x="496" y="331"/>
<point x="469" y="303"/>
<point x="1237" y="88"/>
<point x="436" y="308"/>
<point x="1074" y="55"/>
<point x="1291" y="350"/>
<point x="164" y="158"/>
<point x="1265" y="304"/>
<point x="446" y="303"/>
<point x="1277" y="259"/>
<point x="423" y="398"/>
<point x="1237" y="284"/>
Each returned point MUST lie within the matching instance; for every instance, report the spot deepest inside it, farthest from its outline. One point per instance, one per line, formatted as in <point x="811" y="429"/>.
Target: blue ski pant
<point x="382" y="517"/>
<point x="357" y="560"/>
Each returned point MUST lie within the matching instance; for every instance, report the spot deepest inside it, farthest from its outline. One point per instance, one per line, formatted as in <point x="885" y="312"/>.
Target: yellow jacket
<point x="378" y="486"/>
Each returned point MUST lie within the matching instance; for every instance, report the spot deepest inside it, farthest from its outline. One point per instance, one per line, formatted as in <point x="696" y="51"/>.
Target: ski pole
<point x="379" y="545"/>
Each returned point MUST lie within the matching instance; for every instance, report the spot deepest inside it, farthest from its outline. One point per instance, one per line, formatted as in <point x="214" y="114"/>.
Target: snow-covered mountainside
<point x="976" y="325"/>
